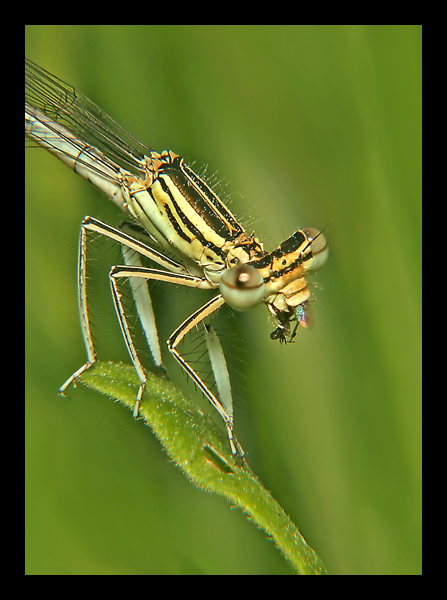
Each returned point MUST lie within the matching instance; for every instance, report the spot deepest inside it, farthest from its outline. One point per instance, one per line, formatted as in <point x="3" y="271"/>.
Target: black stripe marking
<point x="186" y="222"/>
<point x="203" y="200"/>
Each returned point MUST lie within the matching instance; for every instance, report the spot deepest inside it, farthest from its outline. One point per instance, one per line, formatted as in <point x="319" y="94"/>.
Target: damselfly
<point x="182" y="218"/>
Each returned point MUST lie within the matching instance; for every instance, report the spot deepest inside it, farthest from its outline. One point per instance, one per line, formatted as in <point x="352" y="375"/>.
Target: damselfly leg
<point x="138" y="276"/>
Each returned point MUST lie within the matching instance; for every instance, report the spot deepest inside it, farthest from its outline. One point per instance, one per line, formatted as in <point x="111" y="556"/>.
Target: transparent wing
<point x="69" y="108"/>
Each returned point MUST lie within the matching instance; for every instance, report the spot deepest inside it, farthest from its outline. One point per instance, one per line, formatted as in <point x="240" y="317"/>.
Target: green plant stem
<point x="195" y="444"/>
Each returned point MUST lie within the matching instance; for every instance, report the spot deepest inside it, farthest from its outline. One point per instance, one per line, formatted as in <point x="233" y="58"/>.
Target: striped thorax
<point x="184" y="215"/>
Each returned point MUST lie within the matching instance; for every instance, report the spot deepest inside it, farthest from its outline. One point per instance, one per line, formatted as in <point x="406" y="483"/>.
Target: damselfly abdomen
<point x="191" y="237"/>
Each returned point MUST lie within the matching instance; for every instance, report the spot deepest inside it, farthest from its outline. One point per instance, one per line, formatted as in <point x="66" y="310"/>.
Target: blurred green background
<point x="310" y="125"/>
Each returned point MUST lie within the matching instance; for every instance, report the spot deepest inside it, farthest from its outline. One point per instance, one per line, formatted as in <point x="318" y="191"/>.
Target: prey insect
<point x="192" y="239"/>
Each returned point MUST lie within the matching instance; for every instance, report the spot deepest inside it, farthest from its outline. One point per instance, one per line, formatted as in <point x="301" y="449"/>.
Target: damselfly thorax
<point x="192" y="238"/>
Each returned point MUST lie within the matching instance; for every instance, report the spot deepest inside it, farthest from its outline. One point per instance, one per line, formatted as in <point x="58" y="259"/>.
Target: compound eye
<point x="242" y="287"/>
<point x="319" y="247"/>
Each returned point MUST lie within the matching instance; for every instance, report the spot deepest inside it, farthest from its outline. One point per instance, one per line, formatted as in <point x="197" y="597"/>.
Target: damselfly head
<point x="303" y="252"/>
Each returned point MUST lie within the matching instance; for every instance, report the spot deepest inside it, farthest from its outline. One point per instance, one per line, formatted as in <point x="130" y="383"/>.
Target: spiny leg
<point x="224" y="406"/>
<point x="129" y="244"/>
<point x="134" y="272"/>
<point x="83" y="312"/>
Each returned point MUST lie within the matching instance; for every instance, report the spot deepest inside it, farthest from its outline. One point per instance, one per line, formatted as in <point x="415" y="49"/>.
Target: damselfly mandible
<point x="182" y="216"/>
